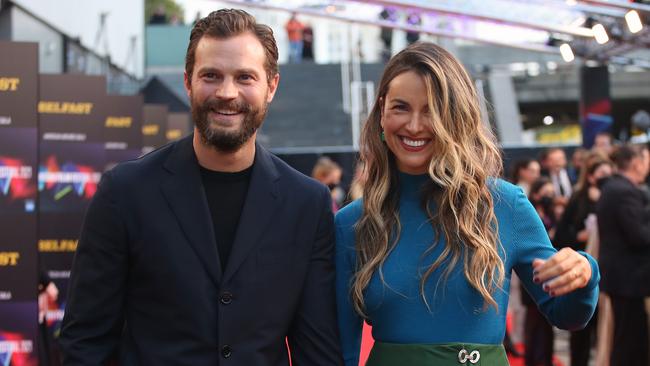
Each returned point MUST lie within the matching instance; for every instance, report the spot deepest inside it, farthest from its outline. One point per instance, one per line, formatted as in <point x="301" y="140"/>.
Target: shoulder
<point x="144" y="168"/>
<point x="505" y="194"/>
<point x="295" y="181"/>
<point x="348" y="216"/>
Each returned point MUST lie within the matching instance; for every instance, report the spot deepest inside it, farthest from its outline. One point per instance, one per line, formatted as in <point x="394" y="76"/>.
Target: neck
<point x="213" y="159"/>
<point x="632" y="177"/>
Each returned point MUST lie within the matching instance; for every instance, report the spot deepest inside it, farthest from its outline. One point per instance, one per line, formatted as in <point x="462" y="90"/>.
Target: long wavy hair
<point x="465" y="157"/>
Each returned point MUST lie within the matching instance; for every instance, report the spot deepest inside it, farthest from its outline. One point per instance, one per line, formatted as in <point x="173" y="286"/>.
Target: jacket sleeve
<point x="632" y="218"/>
<point x="93" y="318"/>
<point x="314" y="337"/>
<point x="530" y="240"/>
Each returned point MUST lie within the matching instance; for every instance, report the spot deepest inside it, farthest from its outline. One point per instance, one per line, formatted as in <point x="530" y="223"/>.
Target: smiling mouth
<point x="414" y="143"/>
<point x="225" y="112"/>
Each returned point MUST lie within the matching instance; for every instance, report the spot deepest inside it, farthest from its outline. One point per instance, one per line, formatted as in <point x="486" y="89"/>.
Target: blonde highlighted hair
<point x="464" y="160"/>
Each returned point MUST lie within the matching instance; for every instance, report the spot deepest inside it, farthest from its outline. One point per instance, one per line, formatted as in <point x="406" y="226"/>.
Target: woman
<point x="524" y="173"/>
<point x="426" y="255"/>
<point x="572" y="232"/>
<point x="328" y="172"/>
<point x="538" y="332"/>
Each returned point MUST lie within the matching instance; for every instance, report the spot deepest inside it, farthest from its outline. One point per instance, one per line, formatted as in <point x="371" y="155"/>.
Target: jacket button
<point x="226" y="298"/>
<point x="226" y="351"/>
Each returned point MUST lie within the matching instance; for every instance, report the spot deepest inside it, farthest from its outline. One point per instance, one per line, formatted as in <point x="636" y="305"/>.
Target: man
<point x="210" y="250"/>
<point x="624" y="228"/>
<point x="295" y="30"/>
<point x="554" y="163"/>
<point x="603" y="142"/>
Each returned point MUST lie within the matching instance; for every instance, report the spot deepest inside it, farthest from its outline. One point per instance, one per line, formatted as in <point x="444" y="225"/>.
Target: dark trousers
<point x="630" y="345"/>
<point x="538" y="338"/>
<point x="581" y="342"/>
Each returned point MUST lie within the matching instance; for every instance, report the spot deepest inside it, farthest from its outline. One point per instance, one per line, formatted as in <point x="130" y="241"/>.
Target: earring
<point x="382" y="137"/>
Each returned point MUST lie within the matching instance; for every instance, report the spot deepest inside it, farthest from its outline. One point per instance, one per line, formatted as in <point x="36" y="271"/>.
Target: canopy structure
<point x="534" y="25"/>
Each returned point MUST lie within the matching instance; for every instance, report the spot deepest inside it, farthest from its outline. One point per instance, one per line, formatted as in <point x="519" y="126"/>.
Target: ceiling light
<point x="567" y="52"/>
<point x="633" y="21"/>
<point x="600" y="33"/>
<point x="548" y="120"/>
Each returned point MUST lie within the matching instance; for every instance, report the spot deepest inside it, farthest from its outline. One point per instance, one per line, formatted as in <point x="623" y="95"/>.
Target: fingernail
<point x="536" y="279"/>
<point x="545" y="287"/>
<point x="552" y="293"/>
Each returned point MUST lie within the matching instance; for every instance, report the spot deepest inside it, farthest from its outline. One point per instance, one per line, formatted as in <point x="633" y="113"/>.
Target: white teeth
<point x="228" y="113"/>
<point x="414" y="143"/>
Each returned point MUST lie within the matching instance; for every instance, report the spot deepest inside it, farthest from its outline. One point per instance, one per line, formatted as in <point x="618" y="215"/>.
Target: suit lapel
<point x="184" y="192"/>
<point x="259" y="207"/>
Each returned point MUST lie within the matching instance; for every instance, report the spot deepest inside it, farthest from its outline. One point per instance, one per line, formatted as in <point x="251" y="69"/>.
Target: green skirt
<point x="391" y="354"/>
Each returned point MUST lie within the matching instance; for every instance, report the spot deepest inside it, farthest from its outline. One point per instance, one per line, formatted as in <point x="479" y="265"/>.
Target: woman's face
<point x="547" y="190"/>
<point x="603" y="170"/>
<point x="530" y="173"/>
<point x="406" y="121"/>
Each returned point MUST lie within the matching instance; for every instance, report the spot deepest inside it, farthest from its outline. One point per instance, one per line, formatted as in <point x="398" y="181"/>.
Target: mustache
<point x="232" y="105"/>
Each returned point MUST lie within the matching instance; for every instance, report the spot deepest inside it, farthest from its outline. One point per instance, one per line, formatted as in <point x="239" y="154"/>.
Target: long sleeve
<point x="530" y="241"/>
<point x="350" y="323"/>
<point x="313" y="338"/>
<point x="94" y="313"/>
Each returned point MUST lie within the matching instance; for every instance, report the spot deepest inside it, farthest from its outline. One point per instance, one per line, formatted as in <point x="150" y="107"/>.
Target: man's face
<point x="229" y="90"/>
<point x="643" y="165"/>
<point x="556" y="161"/>
<point x="603" y="143"/>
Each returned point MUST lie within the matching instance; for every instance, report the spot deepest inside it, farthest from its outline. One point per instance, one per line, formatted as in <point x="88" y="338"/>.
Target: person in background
<point x="538" y="332"/>
<point x="308" y="43"/>
<point x="603" y="142"/>
<point x="572" y="232"/>
<point x="295" y="30"/>
<point x="358" y="181"/>
<point x="414" y="19"/>
<point x="624" y="229"/>
<point x="329" y="173"/>
<point x="577" y="162"/>
<point x="426" y="255"/>
<point x="554" y="166"/>
<point x="386" y="33"/>
<point x="159" y="16"/>
<point x="524" y="173"/>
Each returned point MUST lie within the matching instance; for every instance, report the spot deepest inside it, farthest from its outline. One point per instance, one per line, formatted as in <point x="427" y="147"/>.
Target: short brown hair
<point x="226" y="23"/>
<point x="624" y="154"/>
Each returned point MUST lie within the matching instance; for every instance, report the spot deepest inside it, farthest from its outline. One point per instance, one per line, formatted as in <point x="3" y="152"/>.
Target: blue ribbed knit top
<point x="455" y="311"/>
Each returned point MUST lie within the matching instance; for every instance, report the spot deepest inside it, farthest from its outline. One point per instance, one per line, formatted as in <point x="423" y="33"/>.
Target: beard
<point x="219" y="138"/>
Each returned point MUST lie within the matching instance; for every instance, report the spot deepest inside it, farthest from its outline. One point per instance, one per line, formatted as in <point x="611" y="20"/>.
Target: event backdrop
<point x="18" y="203"/>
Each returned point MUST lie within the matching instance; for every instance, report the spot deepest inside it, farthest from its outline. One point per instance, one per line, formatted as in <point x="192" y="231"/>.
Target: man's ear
<point x="273" y="87"/>
<point x="187" y="83"/>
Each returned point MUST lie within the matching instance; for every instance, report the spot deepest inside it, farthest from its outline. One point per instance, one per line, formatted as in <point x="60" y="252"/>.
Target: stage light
<point x="633" y="21"/>
<point x="548" y="120"/>
<point x="567" y="52"/>
<point x="600" y="33"/>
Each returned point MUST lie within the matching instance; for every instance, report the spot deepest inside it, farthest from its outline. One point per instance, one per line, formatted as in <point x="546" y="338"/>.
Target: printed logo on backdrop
<point x="9" y="84"/>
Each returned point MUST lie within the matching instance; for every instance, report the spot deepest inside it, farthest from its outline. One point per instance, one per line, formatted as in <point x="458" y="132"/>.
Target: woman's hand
<point x="564" y="272"/>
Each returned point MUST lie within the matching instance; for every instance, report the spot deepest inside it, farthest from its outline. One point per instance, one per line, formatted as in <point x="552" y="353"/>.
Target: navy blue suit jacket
<point x="147" y="280"/>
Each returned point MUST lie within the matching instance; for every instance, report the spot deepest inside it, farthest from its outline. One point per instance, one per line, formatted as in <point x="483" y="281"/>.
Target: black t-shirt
<point x="226" y="193"/>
